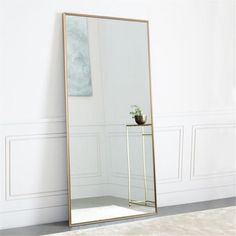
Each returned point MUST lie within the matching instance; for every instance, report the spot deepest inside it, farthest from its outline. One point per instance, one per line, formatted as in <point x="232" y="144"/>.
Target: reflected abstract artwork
<point x="78" y="66"/>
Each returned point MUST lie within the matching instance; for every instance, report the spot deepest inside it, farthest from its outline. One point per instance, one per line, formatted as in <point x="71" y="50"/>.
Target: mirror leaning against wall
<point x="110" y="148"/>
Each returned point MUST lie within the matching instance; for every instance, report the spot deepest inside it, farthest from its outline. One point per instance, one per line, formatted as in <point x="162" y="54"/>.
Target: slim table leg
<point x="128" y="159"/>
<point x="144" y="167"/>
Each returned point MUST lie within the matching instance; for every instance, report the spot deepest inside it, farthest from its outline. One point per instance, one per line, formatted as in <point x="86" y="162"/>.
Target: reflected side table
<point x="143" y="202"/>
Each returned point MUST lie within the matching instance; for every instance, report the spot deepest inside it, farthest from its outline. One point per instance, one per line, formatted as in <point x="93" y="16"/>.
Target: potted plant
<point x="138" y="115"/>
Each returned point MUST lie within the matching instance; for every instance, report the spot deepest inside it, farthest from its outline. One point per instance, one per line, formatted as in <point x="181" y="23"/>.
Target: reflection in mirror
<point x="109" y="120"/>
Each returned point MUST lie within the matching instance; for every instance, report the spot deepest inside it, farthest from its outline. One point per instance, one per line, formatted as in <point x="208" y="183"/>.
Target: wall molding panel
<point x="33" y="173"/>
<point x="178" y="152"/>
<point x="98" y="171"/>
<point x="222" y="132"/>
<point x="9" y="184"/>
<point x="121" y="135"/>
<point x="89" y="176"/>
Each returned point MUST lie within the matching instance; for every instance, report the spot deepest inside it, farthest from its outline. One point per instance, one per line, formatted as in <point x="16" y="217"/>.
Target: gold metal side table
<point x="144" y="202"/>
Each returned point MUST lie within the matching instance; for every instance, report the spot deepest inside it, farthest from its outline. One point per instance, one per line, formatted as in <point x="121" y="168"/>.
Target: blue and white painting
<point x="78" y="60"/>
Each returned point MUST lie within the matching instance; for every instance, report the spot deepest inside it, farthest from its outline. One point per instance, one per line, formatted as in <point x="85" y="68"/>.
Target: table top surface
<point x="136" y="125"/>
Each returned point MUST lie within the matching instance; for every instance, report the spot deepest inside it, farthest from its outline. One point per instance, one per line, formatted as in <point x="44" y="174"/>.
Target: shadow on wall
<point x="54" y="92"/>
<point x="55" y="97"/>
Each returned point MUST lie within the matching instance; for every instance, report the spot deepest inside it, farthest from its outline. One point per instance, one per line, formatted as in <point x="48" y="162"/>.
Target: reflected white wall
<point x="120" y="78"/>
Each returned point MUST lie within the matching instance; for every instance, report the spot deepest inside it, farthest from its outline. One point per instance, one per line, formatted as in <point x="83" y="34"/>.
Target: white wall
<point x="125" y="71"/>
<point x="125" y="74"/>
<point x="193" y="78"/>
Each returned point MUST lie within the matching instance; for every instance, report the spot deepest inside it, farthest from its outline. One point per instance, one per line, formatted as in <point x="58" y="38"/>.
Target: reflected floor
<point x="100" y="208"/>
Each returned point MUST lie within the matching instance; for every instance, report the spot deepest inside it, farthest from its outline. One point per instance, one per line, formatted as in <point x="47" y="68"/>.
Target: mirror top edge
<point x="105" y="17"/>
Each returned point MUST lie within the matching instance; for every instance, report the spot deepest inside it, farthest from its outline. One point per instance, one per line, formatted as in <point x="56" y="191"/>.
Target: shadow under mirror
<point x="109" y="118"/>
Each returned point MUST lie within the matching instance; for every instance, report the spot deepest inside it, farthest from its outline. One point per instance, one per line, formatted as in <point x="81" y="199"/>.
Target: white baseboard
<point x="195" y="195"/>
<point x="24" y="218"/>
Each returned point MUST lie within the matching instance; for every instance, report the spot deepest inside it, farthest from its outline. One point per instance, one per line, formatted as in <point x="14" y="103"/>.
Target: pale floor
<point x="213" y="222"/>
<point x="106" y="201"/>
<point x="106" y="207"/>
<point x="162" y="211"/>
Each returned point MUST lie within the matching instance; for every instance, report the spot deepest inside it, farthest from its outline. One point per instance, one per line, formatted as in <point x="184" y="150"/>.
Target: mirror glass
<point x="109" y="119"/>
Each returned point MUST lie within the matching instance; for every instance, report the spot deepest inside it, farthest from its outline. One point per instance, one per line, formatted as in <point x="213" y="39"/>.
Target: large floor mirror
<point x="111" y="167"/>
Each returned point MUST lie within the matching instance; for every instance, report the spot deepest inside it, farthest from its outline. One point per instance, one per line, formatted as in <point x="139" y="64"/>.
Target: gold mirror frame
<point x="67" y="118"/>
